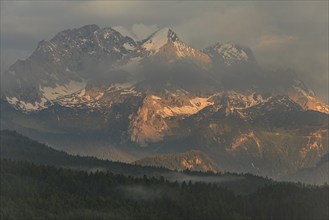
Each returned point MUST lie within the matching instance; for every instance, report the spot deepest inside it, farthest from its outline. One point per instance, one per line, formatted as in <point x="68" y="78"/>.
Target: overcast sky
<point x="292" y="34"/>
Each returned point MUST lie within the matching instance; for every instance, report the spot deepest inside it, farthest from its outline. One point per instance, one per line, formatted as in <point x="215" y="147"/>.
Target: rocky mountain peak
<point x="164" y="46"/>
<point x="158" y="39"/>
<point x="230" y="54"/>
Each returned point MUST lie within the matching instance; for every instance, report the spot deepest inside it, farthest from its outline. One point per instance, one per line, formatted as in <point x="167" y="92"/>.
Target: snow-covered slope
<point x="229" y="54"/>
<point x="165" y="45"/>
<point x="158" y="39"/>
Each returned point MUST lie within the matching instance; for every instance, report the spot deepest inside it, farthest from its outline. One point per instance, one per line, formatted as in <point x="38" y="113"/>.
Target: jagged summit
<point x="230" y="54"/>
<point x="169" y="48"/>
<point x="87" y="42"/>
<point x="158" y="39"/>
<point x="165" y="33"/>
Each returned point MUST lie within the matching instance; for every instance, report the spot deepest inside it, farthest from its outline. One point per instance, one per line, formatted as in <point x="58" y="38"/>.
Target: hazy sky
<point x="292" y="34"/>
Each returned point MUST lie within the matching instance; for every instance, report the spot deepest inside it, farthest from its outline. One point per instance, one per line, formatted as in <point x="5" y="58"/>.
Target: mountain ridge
<point x="106" y="45"/>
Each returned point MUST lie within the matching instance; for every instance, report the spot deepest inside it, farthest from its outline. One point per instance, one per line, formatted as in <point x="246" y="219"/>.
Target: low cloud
<point x="274" y="42"/>
<point x="137" y="31"/>
<point x="142" y="31"/>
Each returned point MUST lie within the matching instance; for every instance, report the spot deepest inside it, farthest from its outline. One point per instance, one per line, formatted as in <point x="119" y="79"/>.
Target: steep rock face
<point x="306" y="98"/>
<point x="148" y="126"/>
<point x="157" y="116"/>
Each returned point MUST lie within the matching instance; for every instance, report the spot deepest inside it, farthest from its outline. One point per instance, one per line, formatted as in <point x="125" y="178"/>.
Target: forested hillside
<point x="15" y="146"/>
<point x="44" y="192"/>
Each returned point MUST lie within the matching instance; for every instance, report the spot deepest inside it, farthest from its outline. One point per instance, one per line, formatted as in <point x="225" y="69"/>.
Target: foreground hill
<point x="15" y="146"/>
<point x="33" y="191"/>
<point x="20" y="148"/>
<point x="192" y="160"/>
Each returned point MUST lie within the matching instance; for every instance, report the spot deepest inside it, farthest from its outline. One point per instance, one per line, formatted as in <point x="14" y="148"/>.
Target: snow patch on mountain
<point x="52" y="93"/>
<point x="183" y="50"/>
<point x="129" y="46"/>
<point x="196" y="105"/>
<point x="27" y="106"/>
<point x="12" y="100"/>
<point x="231" y="53"/>
<point x="155" y="97"/>
<point x="99" y="98"/>
<point x="156" y="41"/>
<point x="159" y="39"/>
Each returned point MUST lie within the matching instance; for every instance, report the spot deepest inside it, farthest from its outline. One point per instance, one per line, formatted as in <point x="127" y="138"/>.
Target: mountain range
<point x="94" y="91"/>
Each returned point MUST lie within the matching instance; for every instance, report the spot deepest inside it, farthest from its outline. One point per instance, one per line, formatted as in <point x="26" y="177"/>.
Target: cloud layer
<point x="289" y="34"/>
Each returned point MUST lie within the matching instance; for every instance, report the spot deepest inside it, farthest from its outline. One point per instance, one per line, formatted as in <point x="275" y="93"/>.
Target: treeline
<point x="15" y="146"/>
<point x="31" y="191"/>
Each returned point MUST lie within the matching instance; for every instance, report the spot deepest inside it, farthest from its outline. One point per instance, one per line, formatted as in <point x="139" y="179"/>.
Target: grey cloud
<point x="142" y="31"/>
<point x="281" y="34"/>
